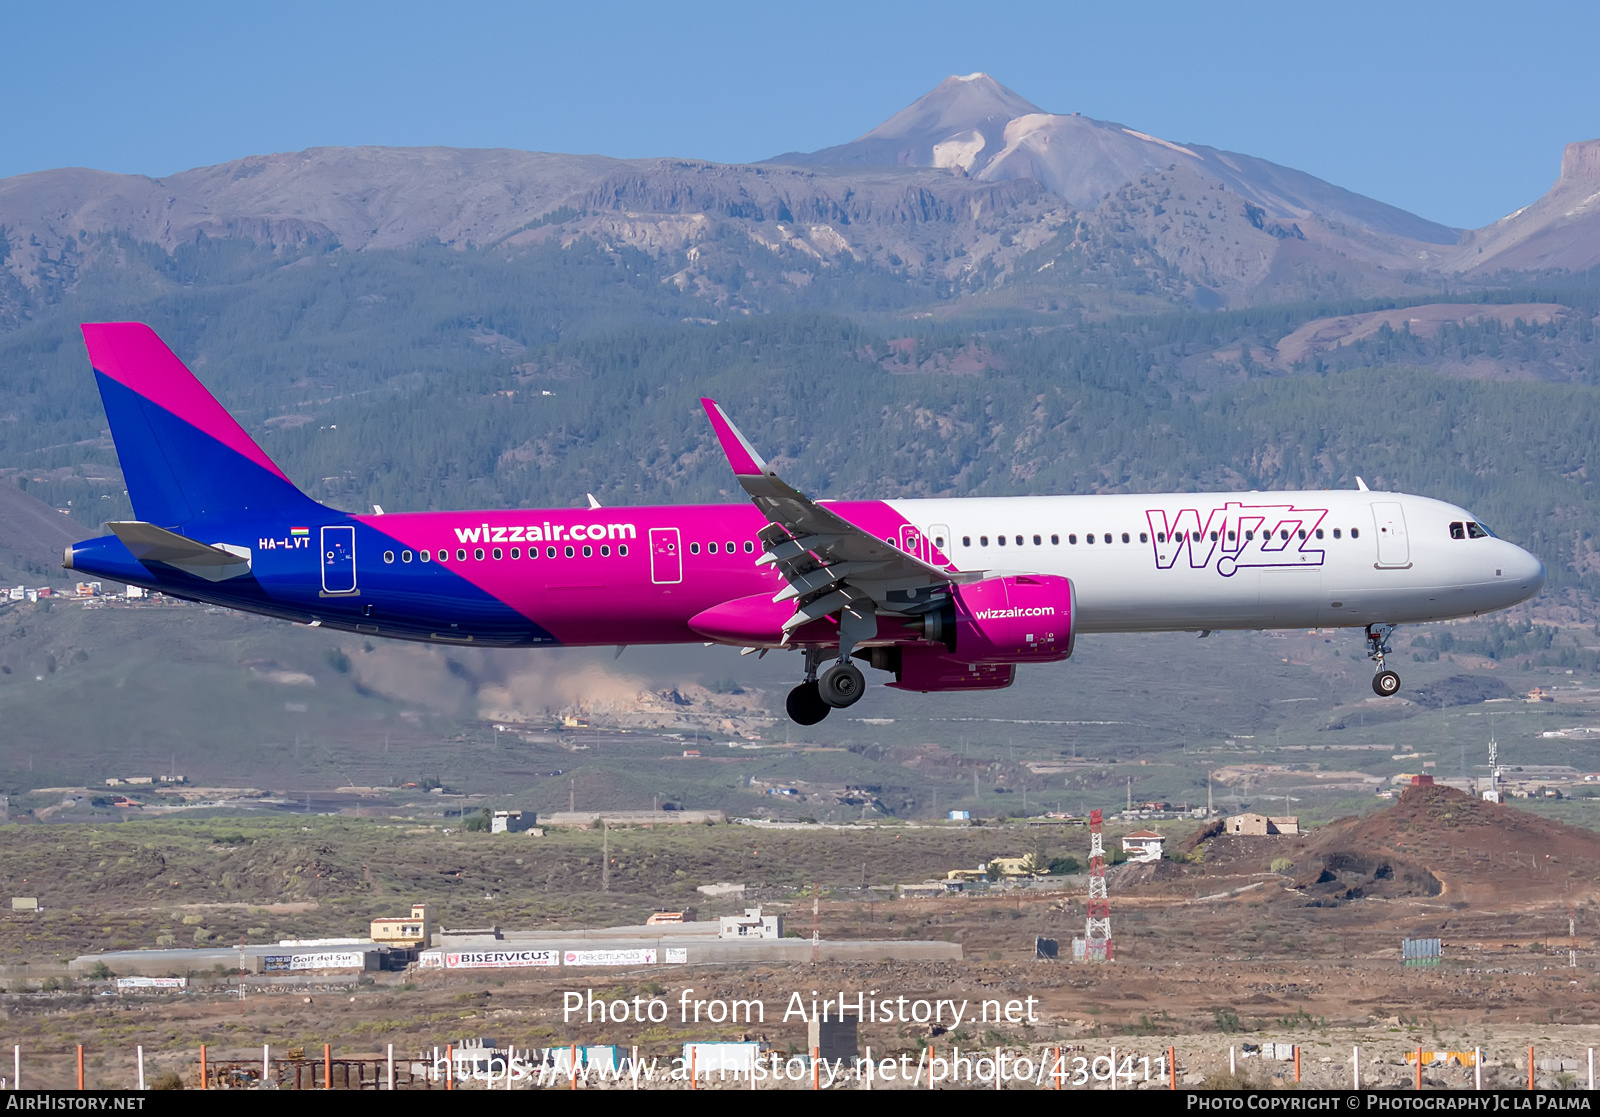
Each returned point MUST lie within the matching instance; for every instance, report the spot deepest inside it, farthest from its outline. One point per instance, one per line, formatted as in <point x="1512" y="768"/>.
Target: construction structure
<point x="1095" y="946"/>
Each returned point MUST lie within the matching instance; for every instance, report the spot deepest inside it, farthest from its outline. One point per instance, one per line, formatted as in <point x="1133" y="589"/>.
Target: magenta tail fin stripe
<point x="131" y="354"/>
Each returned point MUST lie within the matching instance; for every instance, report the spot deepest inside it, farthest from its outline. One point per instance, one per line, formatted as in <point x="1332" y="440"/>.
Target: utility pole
<point x="1130" y="793"/>
<point x="816" y="926"/>
<point x="605" y="856"/>
<point x="572" y="794"/>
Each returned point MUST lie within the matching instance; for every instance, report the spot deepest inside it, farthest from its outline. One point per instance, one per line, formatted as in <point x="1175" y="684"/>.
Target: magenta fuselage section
<point x="608" y="575"/>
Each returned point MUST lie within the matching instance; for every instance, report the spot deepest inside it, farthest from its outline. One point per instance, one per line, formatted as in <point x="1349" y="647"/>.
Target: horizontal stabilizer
<point x="149" y="543"/>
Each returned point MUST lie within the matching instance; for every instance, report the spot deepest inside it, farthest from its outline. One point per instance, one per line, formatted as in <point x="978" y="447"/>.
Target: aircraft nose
<point x="1526" y="570"/>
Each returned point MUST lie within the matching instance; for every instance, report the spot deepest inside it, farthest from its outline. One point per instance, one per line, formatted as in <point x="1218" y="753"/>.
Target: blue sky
<point x="1456" y="111"/>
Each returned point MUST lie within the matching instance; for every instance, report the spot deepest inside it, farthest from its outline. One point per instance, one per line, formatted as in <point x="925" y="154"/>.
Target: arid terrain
<point x="1227" y="942"/>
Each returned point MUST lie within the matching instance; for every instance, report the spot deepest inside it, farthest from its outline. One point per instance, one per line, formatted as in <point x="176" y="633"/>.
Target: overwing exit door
<point x="338" y="560"/>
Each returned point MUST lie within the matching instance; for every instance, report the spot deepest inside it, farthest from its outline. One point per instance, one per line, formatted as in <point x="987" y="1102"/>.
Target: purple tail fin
<point x="184" y="458"/>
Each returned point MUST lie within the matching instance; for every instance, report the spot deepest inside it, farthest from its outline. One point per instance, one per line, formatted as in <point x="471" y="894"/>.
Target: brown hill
<point x="1434" y="842"/>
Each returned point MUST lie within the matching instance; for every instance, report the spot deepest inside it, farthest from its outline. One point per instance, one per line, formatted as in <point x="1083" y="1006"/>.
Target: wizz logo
<point x="1237" y="535"/>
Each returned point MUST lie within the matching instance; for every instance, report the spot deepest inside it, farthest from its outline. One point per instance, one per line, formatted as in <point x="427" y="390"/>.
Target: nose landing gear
<point x="1386" y="683"/>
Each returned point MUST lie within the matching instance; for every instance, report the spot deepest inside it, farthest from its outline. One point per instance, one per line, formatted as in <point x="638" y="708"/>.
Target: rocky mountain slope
<point x="978" y="127"/>
<point x="972" y="189"/>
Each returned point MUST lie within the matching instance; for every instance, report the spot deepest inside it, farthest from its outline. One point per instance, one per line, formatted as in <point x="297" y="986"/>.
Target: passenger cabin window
<point x="570" y="552"/>
<point x="1019" y="541"/>
<point x="1126" y="538"/>
<point x="1476" y="531"/>
<point x="1089" y="538"/>
<point x="1000" y="539"/>
<point x="749" y="547"/>
<point x="1336" y="533"/>
<point x="1355" y="533"/>
<point x="966" y="540"/>
<point x="499" y="554"/>
<point x="461" y="555"/>
<point x="1072" y="540"/>
<point x="1144" y="537"/>
<point x="388" y="556"/>
<point x="1458" y="530"/>
<point x="1055" y="540"/>
<point x="983" y="540"/>
<point x="711" y="548"/>
<point x="622" y="550"/>
<point x="1037" y="541"/>
<point x="1319" y="533"/>
<point x="405" y="556"/>
<point x="938" y="541"/>
<point x="424" y="555"/>
<point x="477" y="553"/>
<point x="588" y="552"/>
<point x="694" y="548"/>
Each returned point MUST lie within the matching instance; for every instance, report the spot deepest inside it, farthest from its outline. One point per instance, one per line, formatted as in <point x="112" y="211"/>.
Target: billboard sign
<point x="499" y="959"/>
<point x="644" y="957"/>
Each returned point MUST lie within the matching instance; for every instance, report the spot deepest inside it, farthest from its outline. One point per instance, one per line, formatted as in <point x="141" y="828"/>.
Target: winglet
<point x="741" y="455"/>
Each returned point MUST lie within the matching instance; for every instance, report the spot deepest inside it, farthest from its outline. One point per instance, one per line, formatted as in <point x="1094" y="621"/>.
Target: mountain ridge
<point x="968" y="190"/>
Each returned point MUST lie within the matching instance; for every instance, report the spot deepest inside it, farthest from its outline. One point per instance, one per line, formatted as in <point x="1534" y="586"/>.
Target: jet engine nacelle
<point x="1019" y="618"/>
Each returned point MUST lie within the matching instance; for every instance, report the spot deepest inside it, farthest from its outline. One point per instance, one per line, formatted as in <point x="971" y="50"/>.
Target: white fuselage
<point x="1188" y="561"/>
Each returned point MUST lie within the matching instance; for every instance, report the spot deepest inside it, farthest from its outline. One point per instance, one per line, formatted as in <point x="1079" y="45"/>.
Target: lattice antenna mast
<point x="1097" y="926"/>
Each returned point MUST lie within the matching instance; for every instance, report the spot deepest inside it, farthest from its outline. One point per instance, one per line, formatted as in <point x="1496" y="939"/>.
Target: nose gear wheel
<point x="1385" y="683"/>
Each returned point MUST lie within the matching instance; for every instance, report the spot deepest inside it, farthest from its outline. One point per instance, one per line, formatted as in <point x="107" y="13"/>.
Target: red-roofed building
<point x="1143" y="845"/>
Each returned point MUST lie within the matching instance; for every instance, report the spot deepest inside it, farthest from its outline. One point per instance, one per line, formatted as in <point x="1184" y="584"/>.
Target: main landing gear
<point x="1386" y="683"/>
<point x="841" y="684"/>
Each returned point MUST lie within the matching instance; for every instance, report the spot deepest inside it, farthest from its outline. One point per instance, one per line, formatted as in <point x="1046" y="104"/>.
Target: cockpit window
<point x="1477" y="531"/>
<point x="1458" y="530"/>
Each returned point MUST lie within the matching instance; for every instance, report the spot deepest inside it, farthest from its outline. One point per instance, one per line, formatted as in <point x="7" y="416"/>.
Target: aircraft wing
<point x="830" y="564"/>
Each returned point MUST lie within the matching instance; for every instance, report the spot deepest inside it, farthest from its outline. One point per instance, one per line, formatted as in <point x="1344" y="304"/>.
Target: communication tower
<point x="1097" y="927"/>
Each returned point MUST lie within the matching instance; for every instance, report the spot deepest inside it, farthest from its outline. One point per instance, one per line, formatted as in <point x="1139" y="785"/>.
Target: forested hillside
<point x="434" y="377"/>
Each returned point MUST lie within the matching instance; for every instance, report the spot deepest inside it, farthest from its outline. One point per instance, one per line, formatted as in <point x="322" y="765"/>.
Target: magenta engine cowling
<point x="999" y="623"/>
<point x="1021" y="618"/>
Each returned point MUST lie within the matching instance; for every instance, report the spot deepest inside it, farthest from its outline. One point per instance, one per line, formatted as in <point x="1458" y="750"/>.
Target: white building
<point x="751" y="925"/>
<point x="1143" y="845"/>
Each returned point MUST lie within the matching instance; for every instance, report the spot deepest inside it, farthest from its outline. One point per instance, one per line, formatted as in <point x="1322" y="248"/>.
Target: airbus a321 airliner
<point x="945" y="595"/>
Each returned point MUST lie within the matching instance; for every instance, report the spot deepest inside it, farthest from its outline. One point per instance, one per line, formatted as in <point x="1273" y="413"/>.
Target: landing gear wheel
<point x="1385" y="684"/>
<point x="841" y="685"/>
<point x="805" y="706"/>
